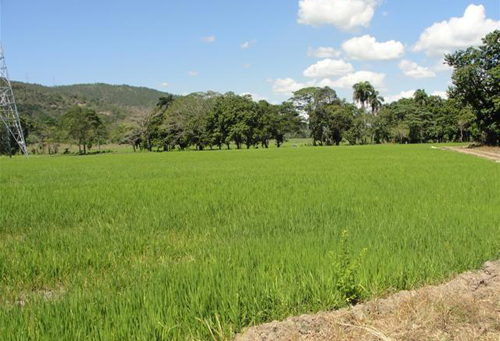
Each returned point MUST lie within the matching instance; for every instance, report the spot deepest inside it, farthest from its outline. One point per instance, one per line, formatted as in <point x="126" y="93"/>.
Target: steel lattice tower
<point x="8" y="109"/>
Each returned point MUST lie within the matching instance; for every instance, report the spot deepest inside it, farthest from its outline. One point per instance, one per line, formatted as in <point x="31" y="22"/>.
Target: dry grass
<point x="466" y="308"/>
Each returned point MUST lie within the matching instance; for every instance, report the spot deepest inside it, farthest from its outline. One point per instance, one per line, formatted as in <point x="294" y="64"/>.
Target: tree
<point x="267" y="121"/>
<point x="219" y="123"/>
<point x="133" y="137"/>
<point x="420" y="97"/>
<point x="363" y="91"/>
<point x="309" y="99"/>
<point x="401" y="131"/>
<point x="45" y="135"/>
<point x="382" y="125"/>
<point x="310" y="103"/>
<point x="164" y="102"/>
<point x="357" y="131"/>
<point x="476" y="83"/>
<point x="98" y="129"/>
<point x="375" y="101"/>
<point x="340" y="118"/>
<point x="318" y="125"/>
<point x="464" y="120"/>
<point x="186" y="121"/>
<point x="149" y="126"/>
<point x="82" y="126"/>
<point x="238" y="115"/>
<point x="248" y="121"/>
<point x="288" y="121"/>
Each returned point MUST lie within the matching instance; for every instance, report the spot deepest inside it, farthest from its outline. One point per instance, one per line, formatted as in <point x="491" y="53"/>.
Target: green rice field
<point x="198" y="245"/>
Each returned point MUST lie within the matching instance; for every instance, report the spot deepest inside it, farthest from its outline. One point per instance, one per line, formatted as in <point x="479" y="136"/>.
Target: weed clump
<point x="348" y="284"/>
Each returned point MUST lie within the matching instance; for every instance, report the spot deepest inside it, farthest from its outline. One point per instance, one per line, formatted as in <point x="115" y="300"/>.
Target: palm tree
<point x="420" y="97"/>
<point x="164" y="102"/>
<point x="362" y="93"/>
<point x="375" y="102"/>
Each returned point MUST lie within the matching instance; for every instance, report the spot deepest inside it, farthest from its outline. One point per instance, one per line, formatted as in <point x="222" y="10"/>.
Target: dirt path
<point x="466" y="308"/>
<point x="490" y="153"/>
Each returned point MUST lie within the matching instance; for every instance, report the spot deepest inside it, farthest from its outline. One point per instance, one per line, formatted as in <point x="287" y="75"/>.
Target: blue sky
<point x="264" y="47"/>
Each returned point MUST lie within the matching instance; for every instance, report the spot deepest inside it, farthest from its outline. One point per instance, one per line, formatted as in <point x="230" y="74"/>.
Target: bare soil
<point x="490" y="153"/>
<point x="466" y="308"/>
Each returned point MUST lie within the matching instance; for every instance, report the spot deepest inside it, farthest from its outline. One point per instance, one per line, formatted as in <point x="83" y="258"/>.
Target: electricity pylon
<point x="8" y="109"/>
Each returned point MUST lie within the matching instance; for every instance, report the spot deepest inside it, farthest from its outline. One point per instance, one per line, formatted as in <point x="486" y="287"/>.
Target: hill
<point x="119" y="103"/>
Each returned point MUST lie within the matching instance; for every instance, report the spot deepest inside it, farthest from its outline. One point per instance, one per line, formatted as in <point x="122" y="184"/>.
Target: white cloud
<point x="347" y="81"/>
<point x="402" y="94"/>
<point x="165" y="84"/>
<point x="442" y="94"/>
<point x="328" y="68"/>
<point x="412" y="69"/>
<point x="289" y="85"/>
<point x="323" y="52"/>
<point x="193" y="73"/>
<point x="344" y="14"/>
<point x="457" y="33"/>
<point x="209" y="39"/>
<point x="367" y="48"/>
<point x="247" y="44"/>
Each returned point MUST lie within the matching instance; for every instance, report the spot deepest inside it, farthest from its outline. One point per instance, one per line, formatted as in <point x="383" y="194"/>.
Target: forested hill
<point x="116" y="102"/>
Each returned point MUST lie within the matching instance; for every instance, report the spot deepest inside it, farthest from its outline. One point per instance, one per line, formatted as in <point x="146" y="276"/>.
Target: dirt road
<point x="490" y="153"/>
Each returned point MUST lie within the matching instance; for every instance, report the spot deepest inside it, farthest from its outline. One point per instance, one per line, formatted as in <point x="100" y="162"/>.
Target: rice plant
<point x="197" y="246"/>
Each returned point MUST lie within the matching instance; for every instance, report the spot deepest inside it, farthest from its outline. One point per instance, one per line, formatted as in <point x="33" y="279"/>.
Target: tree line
<point x="213" y="120"/>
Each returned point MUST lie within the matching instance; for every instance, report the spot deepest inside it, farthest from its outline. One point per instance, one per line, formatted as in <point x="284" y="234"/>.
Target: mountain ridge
<point x="119" y="103"/>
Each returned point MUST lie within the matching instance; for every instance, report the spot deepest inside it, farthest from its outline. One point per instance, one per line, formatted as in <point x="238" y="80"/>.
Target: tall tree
<point x="267" y="117"/>
<point x="186" y="121"/>
<point x="375" y="101"/>
<point x="233" y="118"/>
<point x="363" y="91"/>
<point x="288" y="121"/>
<point x="98" y="128"/>
<point x="464" y="120"/>
<point x="219" y="123"/>
<point x="420" y="97"/>
<point x="340" y="118"/>
<point x="476" y="82"/>
<point x="82" y="125"/>
<point x="150" y="124"/>
<point x="310" y="102"/>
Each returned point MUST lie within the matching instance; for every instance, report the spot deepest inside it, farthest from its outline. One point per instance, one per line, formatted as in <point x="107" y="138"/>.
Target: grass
<point x="197" y="245"/>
